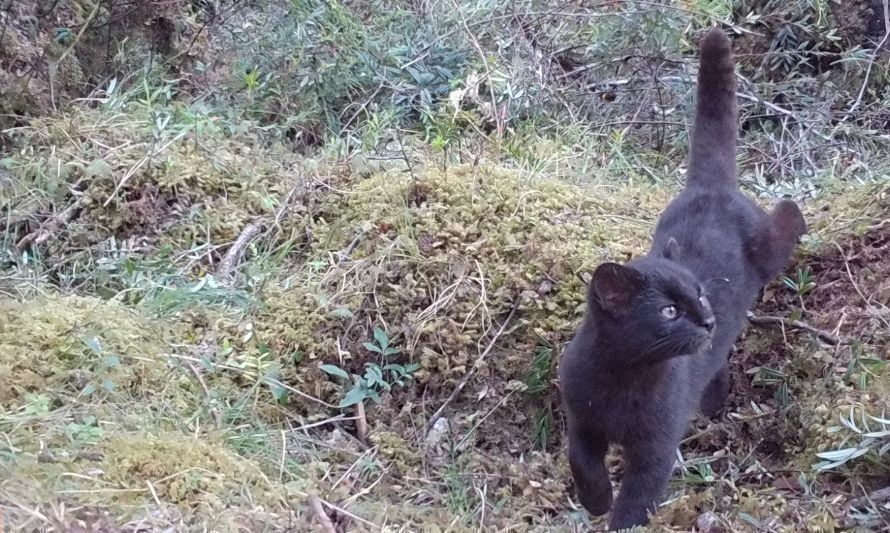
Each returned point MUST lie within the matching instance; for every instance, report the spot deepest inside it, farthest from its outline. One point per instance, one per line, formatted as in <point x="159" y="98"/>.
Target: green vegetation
<point x="228" y="225"/>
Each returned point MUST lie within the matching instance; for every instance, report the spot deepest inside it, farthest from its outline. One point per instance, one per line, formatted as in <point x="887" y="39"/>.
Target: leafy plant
<point x="766" y="377"/>
<point x="85" y="432"/>
<point x="104" y="369"/>
<point x="872" y="432"/>
<point x="802" y="283"/>
<point x="377" y="378"/>
<point x="862" y="368"/>
<point x="537" y="383"/>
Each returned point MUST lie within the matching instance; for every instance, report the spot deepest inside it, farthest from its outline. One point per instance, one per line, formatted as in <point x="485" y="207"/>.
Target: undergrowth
<point x="304" y="264"/>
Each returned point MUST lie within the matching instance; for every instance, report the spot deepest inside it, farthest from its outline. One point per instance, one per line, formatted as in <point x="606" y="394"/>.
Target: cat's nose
<point x="709" y="323"/>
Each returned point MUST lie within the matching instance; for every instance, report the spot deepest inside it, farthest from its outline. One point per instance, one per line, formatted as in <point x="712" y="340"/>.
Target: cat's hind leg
<point x="587" y="454"/>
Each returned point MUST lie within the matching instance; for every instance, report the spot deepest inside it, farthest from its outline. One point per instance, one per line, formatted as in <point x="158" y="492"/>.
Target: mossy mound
<point x="182" y="469"/>
<point x="189" y="183"/>
<point x="443" y="258"/>
<point x="70" y="345"/>
<point x="164" y="479"/>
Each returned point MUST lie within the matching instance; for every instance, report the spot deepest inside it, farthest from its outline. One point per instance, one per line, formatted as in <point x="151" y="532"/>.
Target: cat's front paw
<point x="624" y="519"/>
<point x="597" y="502"/>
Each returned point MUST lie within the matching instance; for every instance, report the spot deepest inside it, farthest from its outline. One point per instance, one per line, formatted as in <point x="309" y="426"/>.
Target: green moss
<point x="65" y="344"/>
<point x="183" y="469"/>
<point x="443" y="258"/>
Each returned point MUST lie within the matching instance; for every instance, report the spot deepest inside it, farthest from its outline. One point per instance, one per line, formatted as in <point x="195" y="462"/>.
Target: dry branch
<point x="49" y="228"/>
<point x="236" y="251"/>
<point x="795" y="324"/>
<point x="322" y="516"/>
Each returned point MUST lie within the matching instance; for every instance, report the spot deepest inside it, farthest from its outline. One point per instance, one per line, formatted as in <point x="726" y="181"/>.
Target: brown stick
<point x="322" y="516"/>
<point x="796" y="324"/>
<point x="48" y="228"/>
<point x="361" y="423"/>
<point x="233" y="255"/>
<point x="476" y="365"/>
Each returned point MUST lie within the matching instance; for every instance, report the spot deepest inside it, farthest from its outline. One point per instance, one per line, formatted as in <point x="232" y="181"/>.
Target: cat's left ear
<point x="776" y="237"/>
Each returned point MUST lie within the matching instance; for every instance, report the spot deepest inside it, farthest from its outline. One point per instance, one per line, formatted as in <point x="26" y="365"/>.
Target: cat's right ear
<point x="776" y="238"/>
<point x="613" y="287"/>
<point x="671" y="251"/>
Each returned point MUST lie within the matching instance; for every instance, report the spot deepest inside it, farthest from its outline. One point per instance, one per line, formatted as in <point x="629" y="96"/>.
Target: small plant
<point x="85" y="432"/>
<point x="103" y="370"/>
<point x="765" y="377"/>
<point x="872" y="432"/>
<point x="700" y="474"/>
<point x="862" y="368"/>
<point x="802" y="284"/>
<point x="251" y="79"/>
<point x="376" y="378"/>
<point x="538" y="385"/>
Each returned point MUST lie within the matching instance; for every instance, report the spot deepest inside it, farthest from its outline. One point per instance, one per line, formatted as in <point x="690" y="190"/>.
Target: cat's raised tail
<point x="712" y="152"/>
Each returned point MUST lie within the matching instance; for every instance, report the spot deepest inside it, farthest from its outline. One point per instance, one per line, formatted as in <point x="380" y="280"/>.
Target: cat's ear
<point x="671" y="250"/>
<point x="613" y="287"/>
<point x="776" y="237"/>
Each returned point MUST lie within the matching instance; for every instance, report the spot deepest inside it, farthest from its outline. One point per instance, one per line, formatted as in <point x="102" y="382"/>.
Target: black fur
<point x="634" y="373"/>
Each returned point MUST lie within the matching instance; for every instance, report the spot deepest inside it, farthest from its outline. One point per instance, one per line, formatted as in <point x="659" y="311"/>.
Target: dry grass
<point x="218" y="403"/>
<point x="173" y="275"/>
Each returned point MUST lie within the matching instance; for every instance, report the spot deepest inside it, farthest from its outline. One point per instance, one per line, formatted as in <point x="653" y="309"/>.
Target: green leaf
<point x="278" y="392"/>
<point x="372" y="347"/>
<point x="89" y="389"/>
<point x="844" y="454"/>
<point x="341" y="312"/>
<point x="107" y="384"/>
<point x="334" y="370"/>
<point x="374" y="376"/>
<point x="381" y="337"/>
<point x="111" y="361"/>
<point x="93" y="344"/>
<point x="357" y="394"/>
<point x="390" y="351"/>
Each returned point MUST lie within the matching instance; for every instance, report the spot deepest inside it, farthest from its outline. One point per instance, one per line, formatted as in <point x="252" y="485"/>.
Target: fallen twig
<point x="476" y="365"/>
<point x="322" y="516"/>
<point x="233" y="255"/>
<point x="877" y="497"/>
<point x="872" y="59"/>
<point x="797" y="324"/>
<point x="361" y="423"/>
<point x="344" y="255"/>
<point x="862" y="295"/>
<point x="48" y="228"/>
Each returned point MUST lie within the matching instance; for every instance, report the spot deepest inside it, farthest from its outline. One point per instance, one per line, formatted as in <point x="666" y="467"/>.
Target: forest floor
<point x="310" y="266"/>
<point x="150" y="380"/>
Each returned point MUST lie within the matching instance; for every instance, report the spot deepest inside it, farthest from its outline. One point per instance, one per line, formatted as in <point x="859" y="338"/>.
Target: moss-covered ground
<point x="145" y="386"/>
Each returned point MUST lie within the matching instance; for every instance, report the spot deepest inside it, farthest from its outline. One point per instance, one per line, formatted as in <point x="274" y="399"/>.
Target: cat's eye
<point x="669" y="311"/>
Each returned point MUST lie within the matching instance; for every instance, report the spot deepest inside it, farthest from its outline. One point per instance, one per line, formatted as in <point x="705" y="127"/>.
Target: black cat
<point x="654" y="344"/>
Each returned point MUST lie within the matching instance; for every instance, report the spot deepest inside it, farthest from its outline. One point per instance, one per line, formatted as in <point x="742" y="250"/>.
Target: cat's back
<point x="712" y="228"/>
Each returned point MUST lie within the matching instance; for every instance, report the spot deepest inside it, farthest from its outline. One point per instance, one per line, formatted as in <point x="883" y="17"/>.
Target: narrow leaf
<point x="372" y="347"/>
<point x="334" y="370"/>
